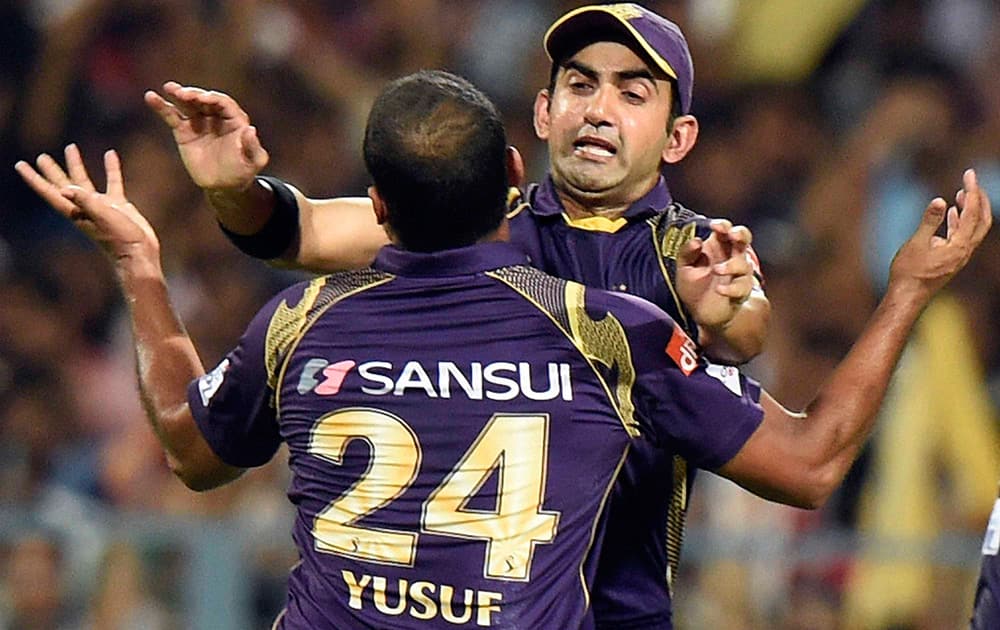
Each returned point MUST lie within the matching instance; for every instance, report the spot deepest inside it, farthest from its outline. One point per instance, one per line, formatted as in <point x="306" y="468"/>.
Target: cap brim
<point x="575" y="25"/>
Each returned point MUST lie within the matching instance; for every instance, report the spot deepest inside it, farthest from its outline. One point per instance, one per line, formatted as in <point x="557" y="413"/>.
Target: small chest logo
<point x="333" y="376"/>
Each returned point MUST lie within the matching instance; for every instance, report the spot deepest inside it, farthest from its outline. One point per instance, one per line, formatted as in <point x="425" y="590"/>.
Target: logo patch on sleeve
<point x="210" y="383"/>
<point x="683" y="351"/>
<point x="727" y="375"/>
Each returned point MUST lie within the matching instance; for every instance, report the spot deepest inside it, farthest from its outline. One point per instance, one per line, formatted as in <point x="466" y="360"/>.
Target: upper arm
<point x="337" y="234"/>
<point x="233" y="406"/>
<point x="202" y="469"/>
<point x="775" y="463"/>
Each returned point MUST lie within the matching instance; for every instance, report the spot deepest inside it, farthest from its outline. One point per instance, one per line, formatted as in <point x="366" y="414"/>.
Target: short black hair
<point x="435" y="147"/>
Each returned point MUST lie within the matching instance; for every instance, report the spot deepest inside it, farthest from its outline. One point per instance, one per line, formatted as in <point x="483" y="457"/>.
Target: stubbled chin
<point x="590" y="180"/>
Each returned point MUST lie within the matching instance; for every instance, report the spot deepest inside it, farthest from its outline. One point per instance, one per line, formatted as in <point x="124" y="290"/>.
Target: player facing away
<point x="617" y="108"/>
<point x="456" y="418"/>
<point x="986" y="611"/>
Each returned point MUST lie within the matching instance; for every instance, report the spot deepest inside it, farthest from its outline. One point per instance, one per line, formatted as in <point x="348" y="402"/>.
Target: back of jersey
<point x="451" y="446"/>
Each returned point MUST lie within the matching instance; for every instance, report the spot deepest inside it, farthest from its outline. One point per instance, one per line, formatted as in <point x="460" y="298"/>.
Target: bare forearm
<point x="166" y="363"/>
<point x="842" y="415"/>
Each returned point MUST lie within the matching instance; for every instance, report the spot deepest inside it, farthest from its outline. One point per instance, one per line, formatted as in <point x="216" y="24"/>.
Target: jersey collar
<point x="450" y="262"/>
<point x="545" y="201"/>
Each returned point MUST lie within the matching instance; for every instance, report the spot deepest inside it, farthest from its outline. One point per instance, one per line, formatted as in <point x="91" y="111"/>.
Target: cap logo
<point x="624" y="11"/>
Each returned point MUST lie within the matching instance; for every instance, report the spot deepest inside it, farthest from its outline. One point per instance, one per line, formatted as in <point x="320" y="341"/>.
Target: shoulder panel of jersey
<point x="672" y="228"/>
<point x="602" y="342"/>
<point x="288" y="323"/>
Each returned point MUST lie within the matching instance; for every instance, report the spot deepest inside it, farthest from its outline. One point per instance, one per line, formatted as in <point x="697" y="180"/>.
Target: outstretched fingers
<point x="970" y="218"/>
<point x="164" y="108"/>
<point x="195" y="100"/>
<point x="974" y="198"/>
<point x="113" y="169"/>
<point x="45" y="188"/>
<point x="77" y="171"/>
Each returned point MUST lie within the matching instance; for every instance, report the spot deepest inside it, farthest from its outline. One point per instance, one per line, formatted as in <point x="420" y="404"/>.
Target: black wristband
<point x="280" y="231"/>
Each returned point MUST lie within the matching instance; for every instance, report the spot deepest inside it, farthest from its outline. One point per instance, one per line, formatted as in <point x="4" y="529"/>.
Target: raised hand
<point x="107" y="218"/>
<point x="927" y="261"/>
<point x="218" y="145"/>
<point x="715" y="275"/>
<point x="50" y="178"/>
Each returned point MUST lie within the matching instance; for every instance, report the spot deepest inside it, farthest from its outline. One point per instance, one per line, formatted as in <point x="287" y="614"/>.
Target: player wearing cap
<point x="617" y="108"/>
<point x="986" y="613"/>
<point x="450" y="466"/>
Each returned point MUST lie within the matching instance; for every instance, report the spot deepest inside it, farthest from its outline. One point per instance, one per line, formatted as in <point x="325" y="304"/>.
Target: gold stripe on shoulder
<point x="603" y="341"/>
<point x="561" y="301"/>
<point x="285" y="324"/>
<point x="290" y="324"/>
<point x="661" y="258"/>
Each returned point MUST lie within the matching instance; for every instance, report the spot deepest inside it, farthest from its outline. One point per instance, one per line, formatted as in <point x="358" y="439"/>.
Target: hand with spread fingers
<point x="218" y="145"/>
<point x="927" y="261"/>
<point x="107" y="218"/>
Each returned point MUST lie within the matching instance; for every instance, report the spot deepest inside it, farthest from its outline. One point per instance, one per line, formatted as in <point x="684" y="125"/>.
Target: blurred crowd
<point x="826" y="134"/>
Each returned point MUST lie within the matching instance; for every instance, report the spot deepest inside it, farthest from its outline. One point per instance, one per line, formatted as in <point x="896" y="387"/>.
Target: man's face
<point x="606" y="125"/>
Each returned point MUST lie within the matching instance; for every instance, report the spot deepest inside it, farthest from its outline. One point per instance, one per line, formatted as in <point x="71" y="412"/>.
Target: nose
<point x="600" y="107"/>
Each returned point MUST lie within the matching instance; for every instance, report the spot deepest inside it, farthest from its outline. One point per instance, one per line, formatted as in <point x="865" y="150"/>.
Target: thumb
<point x="89" y="204"/>
<point x="933" y="216"/>
<point x="79" y="197"/>
<point x="689" y="252"/>
<point x="253" y="151"/>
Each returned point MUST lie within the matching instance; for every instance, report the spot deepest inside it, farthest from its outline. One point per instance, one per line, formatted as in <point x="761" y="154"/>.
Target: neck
<point x="580" y="204"/>
<point x="499" y="235"/>
<point x="580" y="209"/>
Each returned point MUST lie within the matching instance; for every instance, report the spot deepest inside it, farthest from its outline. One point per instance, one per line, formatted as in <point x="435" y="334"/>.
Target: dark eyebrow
<point x="644" y="73"/>
<point x="623" y="75"/>
<point x="583" y="69"/>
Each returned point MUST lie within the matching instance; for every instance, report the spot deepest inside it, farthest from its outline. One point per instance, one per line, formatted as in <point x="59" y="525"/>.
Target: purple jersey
<point x="635" y="254"/>
<point x="986" y="614"/>
<point x="455" y="423"/>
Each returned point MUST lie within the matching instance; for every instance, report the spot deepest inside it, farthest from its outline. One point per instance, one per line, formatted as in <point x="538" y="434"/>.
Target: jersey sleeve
<point x="233" y="404"/>
<point x="704" y="412"/>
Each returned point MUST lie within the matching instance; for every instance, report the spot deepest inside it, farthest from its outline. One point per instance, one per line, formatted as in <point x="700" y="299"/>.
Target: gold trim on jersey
<point x="331" y="289"/>
<point x="676" y="517"/>
<point x="596" y="223"/>
<point x="602" y="341"/>
<point x="667" y="247"/>
<point x="674" y="238"/>
<point x="285" y="324"/>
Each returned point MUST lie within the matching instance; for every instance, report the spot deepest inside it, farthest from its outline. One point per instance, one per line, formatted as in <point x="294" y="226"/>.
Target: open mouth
<point x="594" y="147"/>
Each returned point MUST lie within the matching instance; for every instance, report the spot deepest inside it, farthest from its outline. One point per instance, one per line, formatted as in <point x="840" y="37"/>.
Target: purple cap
<point x="660" y="39"/>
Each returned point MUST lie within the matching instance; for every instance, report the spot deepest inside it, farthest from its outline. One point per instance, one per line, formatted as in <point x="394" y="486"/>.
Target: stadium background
<point x="826" y="126"/>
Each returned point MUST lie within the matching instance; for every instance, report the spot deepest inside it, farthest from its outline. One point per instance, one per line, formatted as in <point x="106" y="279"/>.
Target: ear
<point x="683" y="135"/>
<point x="515" y="167"/>
<point x="543" y="101"/>
<point x="378" y="205"/>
